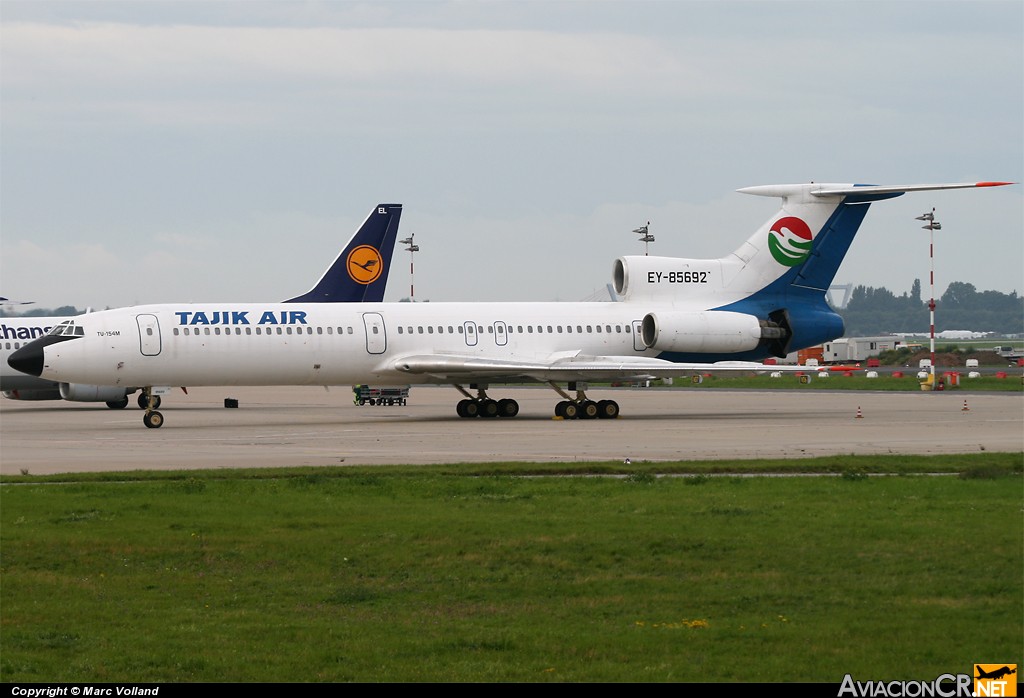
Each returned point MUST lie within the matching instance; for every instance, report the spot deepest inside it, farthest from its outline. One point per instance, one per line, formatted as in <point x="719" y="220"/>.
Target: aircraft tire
<point x="570" y="410"/>
<point x="153" y="420"/>
<point x="488" y="408"/>
<point x="467" y="409"/>
<point x="508" y="408"/>
<point x="118" y="404"/>
<point x="588" y="409"/>
<point x="607" y="409"/>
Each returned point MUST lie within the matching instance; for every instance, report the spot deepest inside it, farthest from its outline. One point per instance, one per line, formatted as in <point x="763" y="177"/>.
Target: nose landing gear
<point x="149" y="402"/>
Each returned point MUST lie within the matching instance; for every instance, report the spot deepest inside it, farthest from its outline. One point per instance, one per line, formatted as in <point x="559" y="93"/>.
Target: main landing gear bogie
<point x="587" y="409"/>
<point x="486" y="408"/>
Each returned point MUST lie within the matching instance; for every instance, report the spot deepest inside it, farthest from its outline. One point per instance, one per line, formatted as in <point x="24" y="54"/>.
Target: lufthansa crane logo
<point x="365" y="264"/>
<point x="789" y="241"/>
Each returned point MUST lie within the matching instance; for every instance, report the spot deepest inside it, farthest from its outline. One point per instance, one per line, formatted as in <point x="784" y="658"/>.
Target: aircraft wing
<point x="568" y="367"/>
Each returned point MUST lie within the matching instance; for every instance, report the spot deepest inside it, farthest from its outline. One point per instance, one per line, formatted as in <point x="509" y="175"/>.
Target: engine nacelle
<point x="711" y="331"/>
<point x="78" y="392"/>
<point x="636" y="277"/>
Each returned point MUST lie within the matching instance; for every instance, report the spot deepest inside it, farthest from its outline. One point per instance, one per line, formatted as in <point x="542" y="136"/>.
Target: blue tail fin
<point x="360" y="273"/>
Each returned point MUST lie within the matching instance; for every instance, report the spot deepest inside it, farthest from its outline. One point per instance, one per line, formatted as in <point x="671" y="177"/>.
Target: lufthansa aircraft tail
<point x="360" y="273"/>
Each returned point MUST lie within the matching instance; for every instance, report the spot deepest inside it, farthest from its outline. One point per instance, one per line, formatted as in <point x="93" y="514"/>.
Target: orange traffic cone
<point x="965" y="407"/>
<point x="860" y="415"/>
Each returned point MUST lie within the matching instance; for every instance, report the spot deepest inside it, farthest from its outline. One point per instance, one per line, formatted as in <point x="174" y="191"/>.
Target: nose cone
<point x="28" y="359"/>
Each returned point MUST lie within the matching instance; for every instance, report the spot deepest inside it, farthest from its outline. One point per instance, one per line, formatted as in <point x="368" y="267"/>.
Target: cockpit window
<point x="68" y="328"/>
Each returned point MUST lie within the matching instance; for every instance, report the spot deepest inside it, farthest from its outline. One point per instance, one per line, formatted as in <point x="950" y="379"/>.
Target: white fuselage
<point x="330" y="344"/>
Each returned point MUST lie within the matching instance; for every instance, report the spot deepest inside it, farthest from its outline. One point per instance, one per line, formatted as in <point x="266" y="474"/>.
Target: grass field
<point x="482" y="573"/>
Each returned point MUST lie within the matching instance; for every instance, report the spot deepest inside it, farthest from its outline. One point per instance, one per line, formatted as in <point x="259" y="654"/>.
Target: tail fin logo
<point x="789" y="241"/>
<point x="365" y="264"/>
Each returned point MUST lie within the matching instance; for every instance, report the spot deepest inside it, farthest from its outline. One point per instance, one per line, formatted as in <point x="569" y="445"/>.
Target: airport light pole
<point x="411" y="249"/>
<point x="645" y="237"/>
<point x="931" y="226"/>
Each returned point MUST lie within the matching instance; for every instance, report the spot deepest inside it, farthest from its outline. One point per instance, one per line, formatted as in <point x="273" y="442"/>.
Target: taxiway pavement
<point x="301" y="426"/>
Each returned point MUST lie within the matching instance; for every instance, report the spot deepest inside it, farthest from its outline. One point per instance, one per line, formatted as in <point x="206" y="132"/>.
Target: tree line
<point x="878" y="311"/>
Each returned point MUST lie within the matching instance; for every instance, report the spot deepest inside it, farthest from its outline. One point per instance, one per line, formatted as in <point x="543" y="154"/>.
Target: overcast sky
<point x="224" y="151"/>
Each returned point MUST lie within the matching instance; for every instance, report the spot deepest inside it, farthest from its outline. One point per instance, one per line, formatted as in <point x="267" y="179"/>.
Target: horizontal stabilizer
<point x="787" y="190"/>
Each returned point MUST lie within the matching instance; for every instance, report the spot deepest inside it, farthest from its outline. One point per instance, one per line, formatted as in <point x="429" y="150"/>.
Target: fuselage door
<point x="638" y="340"/>
<point x="469" y="330"/>
<point x="500" y="334"/>
<point x="149" y="334"/>
<point x="376" y="338"/>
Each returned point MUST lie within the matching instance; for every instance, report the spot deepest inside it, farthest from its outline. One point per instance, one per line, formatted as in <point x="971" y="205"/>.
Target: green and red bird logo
<point x="789" y="241"/>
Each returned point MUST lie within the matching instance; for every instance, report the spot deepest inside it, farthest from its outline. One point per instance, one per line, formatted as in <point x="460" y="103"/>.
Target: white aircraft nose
<point x="29" y="359"/>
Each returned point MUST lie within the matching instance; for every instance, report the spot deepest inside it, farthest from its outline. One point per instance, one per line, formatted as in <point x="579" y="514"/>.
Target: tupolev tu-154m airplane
<point x="358" y="275"/>
<point x="676" y="317"/>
